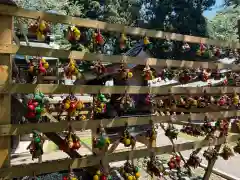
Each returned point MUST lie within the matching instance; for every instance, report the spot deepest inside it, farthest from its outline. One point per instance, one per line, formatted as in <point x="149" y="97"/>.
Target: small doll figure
<point x="99" y="68"/>
<point x="36" y="146"/>
<point x="147" y="73"/>
<point x="124" y="73"/>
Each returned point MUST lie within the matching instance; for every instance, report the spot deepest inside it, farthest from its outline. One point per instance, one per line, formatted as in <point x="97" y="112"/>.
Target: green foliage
<point x="234" y="3"/>
<point x="224" y="25"/>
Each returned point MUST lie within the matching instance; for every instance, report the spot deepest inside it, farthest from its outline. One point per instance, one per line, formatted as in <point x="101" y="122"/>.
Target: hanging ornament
<point x="149" y="100"/>
<point x="123" y="41"/>
<point x="226" y="152"/>
<point x="102" y="140"/>
<point x="71" y="141"/>
<point x="217" y="52"/>
<point x="129" y="171"/>
<point x="36" y="146"/>
<point x="154" y="167"/>
<point x="171" y="132"/>
<point x="194" y="161"/>
<point x="186" y="47"/>
<point x="101" y="174"/>
<point x="99" y="38"/>
<point x="39" y="68"/>
<point x="99" y="68"/>
<point x="237" y="147"/>
<point x="147" y="73"/>
<point x="203" y="51"/>
<point x="152" y="133"/>
<point x="174" y="162"/>
<point x="100" y="104"/>
<point x="71" y="175"/>
<point x="184" y="76"/>
<point x="210" y="153"/>
<point x="36" y="106"/>
<point x="235" y="99"/>
<point x="71" y="104"/>
<point x="127" y="104"/>
<point x="222" y="126"/>
<point x="73" y="34"/>
<point x="124" y="73"/>
<point x="40" y="28"/>
<point x="205" y="75"/>
<point x="147" y="43"/>
<point x="71" y="70"/>
<point x="207" y="126"/>
<point x="127" y="139"/>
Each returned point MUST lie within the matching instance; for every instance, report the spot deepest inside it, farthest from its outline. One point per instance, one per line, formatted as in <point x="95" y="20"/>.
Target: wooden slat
<point x="120" y="59"/>
<point x="54" y="18"/>
<point x="92" y="89"/>
<point x="48" y="52"/>
<point x="16" y="129"/>
<point x="59" y="165"/>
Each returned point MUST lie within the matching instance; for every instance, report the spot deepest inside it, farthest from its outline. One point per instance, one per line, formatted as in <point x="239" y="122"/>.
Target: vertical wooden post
<point x="6" y="37"/>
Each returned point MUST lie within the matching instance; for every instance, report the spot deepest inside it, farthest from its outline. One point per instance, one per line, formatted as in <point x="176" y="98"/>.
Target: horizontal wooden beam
<point x="59" y="165"/>
<point x="54" y="18"/>
<point x="18" y="129"/>
<point x="48" y="52"/>
<point x="92" y="89"/>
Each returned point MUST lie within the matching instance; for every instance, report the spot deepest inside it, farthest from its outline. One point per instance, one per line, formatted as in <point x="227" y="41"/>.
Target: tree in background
<point x="224" y="25"/>
<point x="234" y="3"/>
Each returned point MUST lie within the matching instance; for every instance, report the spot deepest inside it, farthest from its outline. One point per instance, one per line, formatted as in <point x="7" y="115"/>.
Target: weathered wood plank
<point x="59" y="165"/>
<point x="54" y="18"/>
<point x="15" y="129"/>
<point x="6" y="37"/>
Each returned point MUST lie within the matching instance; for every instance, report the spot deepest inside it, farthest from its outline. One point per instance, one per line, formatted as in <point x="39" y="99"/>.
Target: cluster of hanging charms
<point x="36" y="106"/>
<point x="186" y="47"/>
<point x="40" y="28"/>
<point x="222" y="126"/>
<point x="171" y="132"/>
<point x="70" y="176"/>
<point x="154" y="166"/>
<point x="148" y="73"/>
<point x="237" y="147"/>
<point x="100" y="103"/>
<point x="102" y="174"/>
<point x="203" y="51"/>
<point x="126" y="103"/>
<point x="185" y="76"/>
<point x="101" y="141"/>
<point x="226" y="153"/>
<point x="125" y="73"/>
<point x="71" y="70"/>
<point x="36" y="146"/>
<point x="73" y="34"/>
<point x="39" y="67"/>
<point x="71" y="141"/>
<point x="207" y="126"/>
<point x="210" y="154"/>
<point x="194" y="160"/>
<point x="71" y="105"/>
<point x="123" y="42"/>
<point x="127" y="139"/>
<point x="99" y="68"/>
<point x="152" y="133"/>
<point x="174" y="162"/>
<point x="147" y="43"/>
<point x="129" y="171"/>
<point x="192" y="130"/>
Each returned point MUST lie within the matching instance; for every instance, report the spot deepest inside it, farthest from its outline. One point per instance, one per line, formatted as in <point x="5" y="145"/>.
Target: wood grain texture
<point x="95" y="89"/>
<point x="166" y="63"/>
<point x="59" y="165"/>
<point x="6" y="37"/>
<point x="16" y="129"/>
<point x="54" y="18"/>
